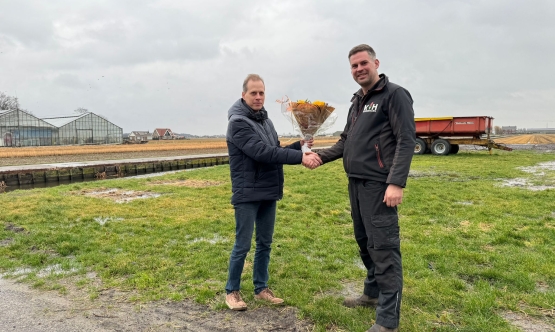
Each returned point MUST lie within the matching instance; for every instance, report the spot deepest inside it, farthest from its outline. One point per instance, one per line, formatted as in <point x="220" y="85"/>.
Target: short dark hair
<point x="251" y="77"/>
<point x="362" y="48"/>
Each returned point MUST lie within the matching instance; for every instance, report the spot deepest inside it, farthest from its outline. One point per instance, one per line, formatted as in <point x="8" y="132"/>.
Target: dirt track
<point x="26" y="310"/>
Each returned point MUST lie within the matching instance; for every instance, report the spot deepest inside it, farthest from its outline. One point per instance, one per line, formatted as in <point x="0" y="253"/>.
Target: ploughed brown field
<point x="528" y="139"/>
<point x="75" y="153"/>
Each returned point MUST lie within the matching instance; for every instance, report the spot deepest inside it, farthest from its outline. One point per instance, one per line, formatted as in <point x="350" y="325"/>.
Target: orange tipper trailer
<point x="443" y="135"/>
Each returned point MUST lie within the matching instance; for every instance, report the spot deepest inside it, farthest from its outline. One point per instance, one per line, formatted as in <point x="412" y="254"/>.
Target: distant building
<point x="508" y="129"/>
<point x="163" y="133"/>
<point x="20" y="128"/>
<point x="140" y="136"/>
<point x="540" y="130"/>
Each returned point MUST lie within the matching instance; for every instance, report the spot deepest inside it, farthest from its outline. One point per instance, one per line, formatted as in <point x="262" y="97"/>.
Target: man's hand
<point x="309" y="143"/>
<point x="311" y="160"/>
<point x="393" y="195"/>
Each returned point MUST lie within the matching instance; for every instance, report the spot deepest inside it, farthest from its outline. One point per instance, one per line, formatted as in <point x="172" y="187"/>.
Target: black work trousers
<point x="376" y="228"/>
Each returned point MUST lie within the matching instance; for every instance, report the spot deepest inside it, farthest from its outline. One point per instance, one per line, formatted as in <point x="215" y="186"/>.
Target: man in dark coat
<point x="377" y="147"/>
<point x="256" y="163"/>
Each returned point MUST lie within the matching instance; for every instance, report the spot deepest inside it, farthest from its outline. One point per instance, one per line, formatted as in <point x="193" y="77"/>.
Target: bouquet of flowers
<point x="308" y="118"/>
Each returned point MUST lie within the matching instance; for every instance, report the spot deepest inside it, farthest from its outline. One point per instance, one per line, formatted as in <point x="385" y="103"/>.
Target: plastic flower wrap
<point x="308" y="118"/>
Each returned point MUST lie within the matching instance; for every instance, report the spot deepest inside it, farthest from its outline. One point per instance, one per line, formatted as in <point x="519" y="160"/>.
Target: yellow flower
<point x="319" y="103"/>
<point x="300" y="102"/>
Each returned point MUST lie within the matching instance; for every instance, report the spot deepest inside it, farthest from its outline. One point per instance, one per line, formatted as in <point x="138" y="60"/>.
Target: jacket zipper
<point x="378" y="154"/>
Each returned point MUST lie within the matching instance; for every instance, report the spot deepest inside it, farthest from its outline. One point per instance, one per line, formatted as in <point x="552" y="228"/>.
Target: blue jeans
<point x="247" y="215"/>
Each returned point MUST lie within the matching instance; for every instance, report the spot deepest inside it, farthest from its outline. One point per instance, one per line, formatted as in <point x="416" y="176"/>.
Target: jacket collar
<point x="241" y="108"/>
<point x="380" y="84"/>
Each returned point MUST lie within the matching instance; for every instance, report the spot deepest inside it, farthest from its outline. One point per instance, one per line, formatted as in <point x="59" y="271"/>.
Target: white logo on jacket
<point x="370" y="108"/>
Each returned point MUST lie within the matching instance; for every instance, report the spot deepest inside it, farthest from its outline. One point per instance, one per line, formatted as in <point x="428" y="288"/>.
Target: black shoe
<point x="361" y="301"/>
<point x="379" y="328"/>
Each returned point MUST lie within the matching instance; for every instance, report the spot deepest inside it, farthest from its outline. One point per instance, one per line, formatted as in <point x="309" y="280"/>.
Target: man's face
<point x="364" y="69"/>
<point x="254" y="97"/>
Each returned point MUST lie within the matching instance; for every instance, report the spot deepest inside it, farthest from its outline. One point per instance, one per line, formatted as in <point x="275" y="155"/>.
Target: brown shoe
<point x="235" y="302"/>
<point x="361" y="301"/>
<point x="268" y="296"/>
<point x="379" y="328"/>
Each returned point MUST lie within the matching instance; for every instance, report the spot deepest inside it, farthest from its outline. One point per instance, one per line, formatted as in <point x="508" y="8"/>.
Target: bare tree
<point x="81" y="110"/>
<point x="8" y="103"/>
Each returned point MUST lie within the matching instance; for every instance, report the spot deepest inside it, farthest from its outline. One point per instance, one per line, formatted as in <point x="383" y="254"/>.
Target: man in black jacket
<point x="256" y="163"/>
<point x="377" y="145"/>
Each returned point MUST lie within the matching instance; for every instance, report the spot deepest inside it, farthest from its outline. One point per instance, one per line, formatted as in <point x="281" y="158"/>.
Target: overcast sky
<point x="180" y="64"/>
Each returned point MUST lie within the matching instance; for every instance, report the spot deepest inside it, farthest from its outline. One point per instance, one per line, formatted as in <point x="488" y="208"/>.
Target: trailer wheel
<point x="441" y="147"/>
<point x="454" y="149"/>
<point x="420" y="146"/>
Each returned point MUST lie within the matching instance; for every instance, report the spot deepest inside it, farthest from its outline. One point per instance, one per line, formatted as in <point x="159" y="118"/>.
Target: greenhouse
<point x="19" y="128"/>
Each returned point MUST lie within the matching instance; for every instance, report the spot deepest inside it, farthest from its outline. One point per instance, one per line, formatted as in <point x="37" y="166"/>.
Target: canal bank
<point x="52" y="174"/>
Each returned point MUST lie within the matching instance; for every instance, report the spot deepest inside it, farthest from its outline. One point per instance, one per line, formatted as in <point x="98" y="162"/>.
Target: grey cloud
<point x="183" y="62"/>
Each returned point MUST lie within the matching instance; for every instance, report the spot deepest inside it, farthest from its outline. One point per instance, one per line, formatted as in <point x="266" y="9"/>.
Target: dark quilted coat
<point x="255" y="156"/>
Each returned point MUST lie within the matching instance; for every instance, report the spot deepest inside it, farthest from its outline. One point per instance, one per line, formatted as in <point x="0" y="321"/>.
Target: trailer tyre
<point x="420" y="146"/>
<point x="454" y="149"/>
<point x="441" y="147"/>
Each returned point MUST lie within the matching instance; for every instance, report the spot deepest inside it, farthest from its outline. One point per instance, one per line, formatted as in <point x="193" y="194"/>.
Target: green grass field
<point x="473" y="249"/>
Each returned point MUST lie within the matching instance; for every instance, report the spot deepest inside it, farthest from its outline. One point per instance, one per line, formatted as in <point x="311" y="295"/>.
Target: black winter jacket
<point x="255" y="156"/>
<point x="378" y="140"/>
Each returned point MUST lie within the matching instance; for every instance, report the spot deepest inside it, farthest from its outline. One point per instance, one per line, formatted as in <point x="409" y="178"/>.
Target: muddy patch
<point x="427" y="174"/>
<point x="14" y="228"/>
<point x="542" y="287"/>
<point x="117" y="195"/>
<point x="111" y="311"/>
<point x="187" y="183"/>
<point x="447" y="176"/>
<point x="528" y="323"/>
<point x="6" y="242"/>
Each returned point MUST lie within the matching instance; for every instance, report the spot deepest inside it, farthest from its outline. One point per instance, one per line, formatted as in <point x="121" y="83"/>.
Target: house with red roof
<point x="163" y="133"/>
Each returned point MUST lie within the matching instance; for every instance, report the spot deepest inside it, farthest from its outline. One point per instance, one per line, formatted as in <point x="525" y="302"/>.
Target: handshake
<point x="311" y="160"/>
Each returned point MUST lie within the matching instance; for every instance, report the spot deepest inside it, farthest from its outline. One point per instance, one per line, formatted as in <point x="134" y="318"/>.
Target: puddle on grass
<point x="216" y="239"/>
<point x="527" y="323"/>
<point x="55" y="269"/>
<point x="524" y="184"/>
<point x="17" y="272"/>
<point x="350" y="289"/>
<point x="541" y="173"/>
<point x="187" y="183"/>
<point x="117" y="195"/>
<point x="103" y="220"/>
<point x="539" y="169"/>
